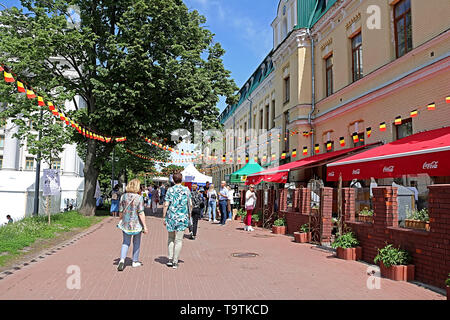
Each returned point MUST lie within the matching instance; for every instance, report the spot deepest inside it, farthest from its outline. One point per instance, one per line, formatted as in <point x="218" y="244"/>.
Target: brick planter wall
<point x="430" y="251"/>
<point x="326" y="206"/>
<point x="298" y="217"/>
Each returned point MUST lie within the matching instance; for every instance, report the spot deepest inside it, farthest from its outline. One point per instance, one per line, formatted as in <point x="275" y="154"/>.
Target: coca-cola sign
<point x="388" y="169"/>
<point x="431" y="165"/>
<point x="357" y="171"/>
<point x="331" y="174"/>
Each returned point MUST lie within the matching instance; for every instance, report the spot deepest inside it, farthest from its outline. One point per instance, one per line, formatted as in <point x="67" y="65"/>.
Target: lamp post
<point x="38" y="173"/>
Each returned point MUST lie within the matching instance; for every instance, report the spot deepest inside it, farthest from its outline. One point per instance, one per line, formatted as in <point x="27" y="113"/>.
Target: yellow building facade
<point x="339" y="68"/>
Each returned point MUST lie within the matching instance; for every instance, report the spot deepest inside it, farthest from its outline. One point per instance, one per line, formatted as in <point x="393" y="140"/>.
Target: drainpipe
<point x="313" y="89"/>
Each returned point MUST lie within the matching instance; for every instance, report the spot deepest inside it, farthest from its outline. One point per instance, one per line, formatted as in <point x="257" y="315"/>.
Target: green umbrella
<point x="241" y="175"/>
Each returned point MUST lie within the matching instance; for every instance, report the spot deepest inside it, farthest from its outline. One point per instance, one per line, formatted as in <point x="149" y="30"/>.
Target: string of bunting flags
<point x="23" y="87"/>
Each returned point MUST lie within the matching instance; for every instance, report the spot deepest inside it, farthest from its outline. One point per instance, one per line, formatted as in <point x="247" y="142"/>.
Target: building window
<point x="267" y="117"/>
<point x="1" y="162"/>
<point x="284" y="29"/>
<point x="405" y="129"/>
<point x="329" y="75"/>
<point x="29" y="163"/>
<point x="261" y="120"/>
<point x="2" y="141"/>
<point x="272" y="120"/>
<point x="402" y="26"/>
<point x="357" y="67"/>
<point x="56" y="164"/>
<point x="287" y="89"/>
<point x="360" y="142"/>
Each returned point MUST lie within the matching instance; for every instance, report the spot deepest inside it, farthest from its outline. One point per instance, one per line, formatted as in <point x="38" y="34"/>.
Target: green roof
<point x="249" y="168"/>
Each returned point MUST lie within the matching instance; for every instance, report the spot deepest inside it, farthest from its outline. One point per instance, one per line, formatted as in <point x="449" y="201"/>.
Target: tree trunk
<point x="90" y="180"/>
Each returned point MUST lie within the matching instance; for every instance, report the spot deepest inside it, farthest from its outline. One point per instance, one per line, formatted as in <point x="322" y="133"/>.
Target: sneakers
<point x="121" y="265"/>
<point x="192" y="237"/>
<point x="246" y="228"/>
<point x="170" y="263"/>
<point x="250" y="228"/>
<point x="137" y="264"/>
<point x="175" y="265"/>
<point x="215" y="221"/>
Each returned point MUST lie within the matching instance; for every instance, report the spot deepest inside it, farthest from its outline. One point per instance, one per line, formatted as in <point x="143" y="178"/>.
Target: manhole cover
<point x="244" y="255"/>
<point x="263" y="236"/>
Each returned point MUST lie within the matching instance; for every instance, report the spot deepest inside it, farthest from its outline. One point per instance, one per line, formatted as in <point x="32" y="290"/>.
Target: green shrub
<point x="279" y="223"/>
<point x="304" y="228"/>
<point x="415" y="214"/>
<point x="447" y="282"/>
<point x="241" y="213"/>
<point x="345" y="241"/>
<point x="255" y="217"/>
<point x="366" y="212"/>
<point x="391" y="256"/>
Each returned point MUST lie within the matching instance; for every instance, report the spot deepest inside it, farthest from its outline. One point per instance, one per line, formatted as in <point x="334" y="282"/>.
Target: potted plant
<point x="395" y="263"/>
<point x="365" y="215"/>
<point x="279" y="226"/>
<point x="240" y="214"/>
<point x="347" y="248"/>
<point x="417" y="219"/>
<point x="447" y="282"/>
<point x="256" y="220"/>
<point x="303" y="235"/>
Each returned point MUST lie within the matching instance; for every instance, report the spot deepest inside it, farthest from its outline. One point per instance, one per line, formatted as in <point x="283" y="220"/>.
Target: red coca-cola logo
<point x="357" y="171"/>
<point x="388" y="169"/>
<point x="431" y="165"/>
<point x="331" y="174"/>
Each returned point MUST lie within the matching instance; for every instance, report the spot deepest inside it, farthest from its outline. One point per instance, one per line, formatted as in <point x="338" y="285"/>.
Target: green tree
<point x="143" y="68"/>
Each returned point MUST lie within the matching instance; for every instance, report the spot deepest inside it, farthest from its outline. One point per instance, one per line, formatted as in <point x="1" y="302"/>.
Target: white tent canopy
<point x="191" y="174"/>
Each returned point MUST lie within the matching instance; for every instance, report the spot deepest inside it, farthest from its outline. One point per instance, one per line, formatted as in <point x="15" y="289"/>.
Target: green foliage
<point x="255" y="217"/>
<point x="366" y="212"/>
<point x="345" y="241"/>
<point x="447" y="281"/>
<point x="241" y="213"/>
<point x="171" y="169"/>
<point x="18" y="235"/>
<point x="304" y="228"/>
<point x="141" y="67"/>
<point x="280" y="222"/>
<point x="391" y="256"/>
<point x="415" y="214"/>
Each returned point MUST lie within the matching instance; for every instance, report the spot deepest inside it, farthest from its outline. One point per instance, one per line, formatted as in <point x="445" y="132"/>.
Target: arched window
<point x="284" y="29"/>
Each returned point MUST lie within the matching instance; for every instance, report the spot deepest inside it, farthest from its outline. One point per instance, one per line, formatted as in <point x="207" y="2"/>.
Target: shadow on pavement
<point x="164" y="260"/>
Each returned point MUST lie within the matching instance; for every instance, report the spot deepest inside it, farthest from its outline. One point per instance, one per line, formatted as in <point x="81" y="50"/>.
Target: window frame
<point x="54" y="161"/>
<point x="2" y="139"/>
<point x="397" y="127"/>
<point x="27" y="161"/>
<point x="287" y="89"/>
<point x="396" y="20"/>
<point x="327" y="69"/>
<point x="358" y="52"/>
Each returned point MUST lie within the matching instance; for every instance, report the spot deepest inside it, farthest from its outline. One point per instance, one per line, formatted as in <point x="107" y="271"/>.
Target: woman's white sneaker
<point x="137" y="264"/>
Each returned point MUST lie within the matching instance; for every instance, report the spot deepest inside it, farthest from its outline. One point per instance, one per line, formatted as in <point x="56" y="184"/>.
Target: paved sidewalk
<point x="283" y="269"/>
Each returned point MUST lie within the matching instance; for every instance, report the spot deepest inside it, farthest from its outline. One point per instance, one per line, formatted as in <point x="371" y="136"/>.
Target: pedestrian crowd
<point x="182" y="209"/>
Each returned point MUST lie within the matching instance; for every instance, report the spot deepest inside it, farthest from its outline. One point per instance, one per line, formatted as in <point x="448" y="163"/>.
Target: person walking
<point x="230" y="203"/>
<point x="176" y="216"/>
<point x="223" y="202"/>
<point x="162" y="192"/>
<point x="197" y="206"/>
<point x="250" y="202"/>
<point x="115" y="199"/>
<point x="155" y="199"/>
<point x="132" y="222"/>
<point x="212" y="202"/>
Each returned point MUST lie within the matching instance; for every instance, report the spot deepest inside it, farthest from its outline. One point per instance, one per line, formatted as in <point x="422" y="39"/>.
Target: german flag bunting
<point x="20" y="87"/>
<point x="447" y="99"/>
<point x="355" y="137"/>
<point x="283" y="155"/>
<point x="414" y="113"/>
<point x="369" y="132"/>
<point x="30" y="94"/>
<point x="431" y="106"/>
<point x="329" y="145"/>
<point x="255" y="158"/>
<point x="305" y="151"/>
<point x="41" y="102"/>
<point x="294" y="153"/>
<point x="317" y="148"/>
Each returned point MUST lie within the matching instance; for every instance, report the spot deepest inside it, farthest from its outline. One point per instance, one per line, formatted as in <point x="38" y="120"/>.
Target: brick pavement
<point x="283" y="269"/>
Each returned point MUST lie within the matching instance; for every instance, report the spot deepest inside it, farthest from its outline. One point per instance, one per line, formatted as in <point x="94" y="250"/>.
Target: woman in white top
<point x="213" y="199"/>
<point x="250" y="202"/>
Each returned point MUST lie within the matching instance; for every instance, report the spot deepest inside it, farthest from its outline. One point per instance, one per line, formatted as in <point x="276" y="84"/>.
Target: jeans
<point x="126" y="245"/>
<point x="212" y="207"/>
<point x="175" y="243"/>
<point x="223" y="211"/>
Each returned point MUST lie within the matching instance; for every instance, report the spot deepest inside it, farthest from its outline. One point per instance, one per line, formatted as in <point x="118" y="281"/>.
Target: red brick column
<point x="295" y="196"/>
<point x="348" y="204"/>
<point x="283" y="200"/>
<point x="385" y="207"/>
<point x="304" y="201"/>
<point x="326" y="207"/>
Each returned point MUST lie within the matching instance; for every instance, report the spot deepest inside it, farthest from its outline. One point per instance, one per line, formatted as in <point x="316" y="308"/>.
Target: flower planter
<point x="398" y="273"/>
<point x="349" y="253"/>
<point x="417" y="224"/>
<point x="256" y="223"/>
<point x="302" y="237"/>
<point x="279" y="229"/>
<point x="368" y="219"/>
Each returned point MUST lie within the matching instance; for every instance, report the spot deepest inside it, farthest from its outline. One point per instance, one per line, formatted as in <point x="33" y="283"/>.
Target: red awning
<point x="425" y="152"/>
<point x="280" y="174"/>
